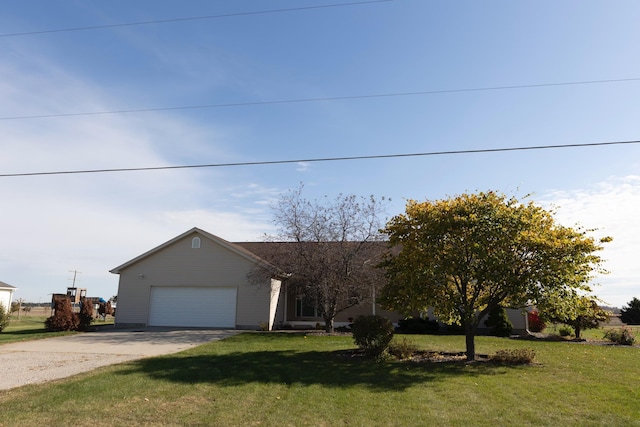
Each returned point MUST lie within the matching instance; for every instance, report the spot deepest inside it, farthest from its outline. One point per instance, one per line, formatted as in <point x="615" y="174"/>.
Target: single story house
<point x="198" y="279"/>
<point x="6" y="295"/>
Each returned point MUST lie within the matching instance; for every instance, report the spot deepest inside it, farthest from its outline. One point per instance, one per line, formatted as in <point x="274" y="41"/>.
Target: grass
<point x="31" y="327"/>
<point x="597" y="334"/>
<point x="293" y="380"/>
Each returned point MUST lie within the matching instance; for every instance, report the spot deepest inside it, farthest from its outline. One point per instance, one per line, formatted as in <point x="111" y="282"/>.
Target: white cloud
<point x="94" y="222"/>
<point x="303" y="166"/>
<point x="612" y="208"/>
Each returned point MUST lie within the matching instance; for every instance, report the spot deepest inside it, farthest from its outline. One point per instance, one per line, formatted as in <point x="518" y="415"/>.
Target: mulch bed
<point x="423" y="356"/>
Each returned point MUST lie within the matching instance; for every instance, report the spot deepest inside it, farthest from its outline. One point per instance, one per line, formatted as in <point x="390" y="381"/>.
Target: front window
<point x="305" y="309"/>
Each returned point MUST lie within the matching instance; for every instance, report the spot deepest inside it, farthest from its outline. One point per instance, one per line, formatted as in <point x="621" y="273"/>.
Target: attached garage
<point x="204" y="307"/>
<point x="197" y="280"/>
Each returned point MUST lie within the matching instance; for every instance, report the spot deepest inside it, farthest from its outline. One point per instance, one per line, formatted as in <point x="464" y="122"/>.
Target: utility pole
<point x="75" y="274"/>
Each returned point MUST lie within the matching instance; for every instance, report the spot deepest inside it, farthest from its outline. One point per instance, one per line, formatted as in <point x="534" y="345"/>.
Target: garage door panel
<point x="193" y="307"/>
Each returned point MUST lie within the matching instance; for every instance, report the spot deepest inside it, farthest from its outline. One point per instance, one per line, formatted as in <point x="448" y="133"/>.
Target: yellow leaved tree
<point x="466" y="255"/>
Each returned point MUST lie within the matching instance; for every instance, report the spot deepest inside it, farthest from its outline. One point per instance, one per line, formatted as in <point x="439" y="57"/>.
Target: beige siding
<point x="178" y="264"/>
<point x="518" y="320"/>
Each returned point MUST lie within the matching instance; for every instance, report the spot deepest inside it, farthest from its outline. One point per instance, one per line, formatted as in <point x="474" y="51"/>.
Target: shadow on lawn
<point x="330" y="369"/>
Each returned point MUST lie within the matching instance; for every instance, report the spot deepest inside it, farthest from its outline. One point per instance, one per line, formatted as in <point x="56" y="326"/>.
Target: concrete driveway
<point x="47" y="359"/>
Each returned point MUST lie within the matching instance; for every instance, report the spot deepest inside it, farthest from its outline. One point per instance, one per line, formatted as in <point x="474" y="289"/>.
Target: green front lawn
<point x="29" y="327"/>
<point x="279" y="379"/>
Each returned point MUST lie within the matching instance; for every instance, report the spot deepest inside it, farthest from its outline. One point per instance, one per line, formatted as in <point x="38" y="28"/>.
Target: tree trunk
<point x="578" y="330"/>
<point x="470" y="335"/>
<point x="328" y="325"/>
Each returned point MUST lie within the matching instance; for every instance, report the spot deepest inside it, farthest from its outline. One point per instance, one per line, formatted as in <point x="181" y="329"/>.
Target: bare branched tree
<point x="330" y="248"/>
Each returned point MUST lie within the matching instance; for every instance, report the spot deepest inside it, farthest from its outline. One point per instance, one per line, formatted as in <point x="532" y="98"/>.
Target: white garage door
<point x="192" y="306"/>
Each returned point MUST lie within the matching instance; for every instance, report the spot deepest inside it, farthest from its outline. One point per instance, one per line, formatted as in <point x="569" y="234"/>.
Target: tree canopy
<point x="466" y="255"/>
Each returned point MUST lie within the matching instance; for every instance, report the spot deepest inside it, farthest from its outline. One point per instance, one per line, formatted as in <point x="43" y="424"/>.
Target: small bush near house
<point x="416" y="325"/>
<point x="498" y="322"/>
<point x="86" y="314"/>
<point x="64" y="319"/>
<point x="519" y="356"/>
<point x="372" y="333"/>
<point x="4" y="317"/>
<point x="565" y="331"/>
<point x="402" y="349"/>
<point x="535" y="323"/>
<point x="622" y="336"/>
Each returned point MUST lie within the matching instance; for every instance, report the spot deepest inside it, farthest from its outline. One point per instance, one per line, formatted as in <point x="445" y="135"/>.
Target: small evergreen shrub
<point x="622" y="336"/>
<point x="565" y="331"/>
<point x="519" y="356"/>
<point x="86" y="314"/>
<point x="535" y="323"/>
<point x="63" y="319"/>
<point x="4" y="317"/>
<point x="498" y="322"/>
<point x="372" y="333"/>
<point x="402" y="349"/>
<point x="416" y="325"/>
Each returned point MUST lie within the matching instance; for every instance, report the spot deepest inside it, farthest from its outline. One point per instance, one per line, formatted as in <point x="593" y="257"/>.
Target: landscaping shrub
<point x="402" y="349"/>
<point x="535" y="323"/>
<point x="517" y="356"/>
<point x="498" y="322"/>
<point x="622" y="336"/>
<point x="416" y="325"/>
<point x="4" y="317"/>
<point x="64" y="319"/>
<point x="86" y="314"/>
<point x="372" y="333"/>
<point x="565" y="331"/>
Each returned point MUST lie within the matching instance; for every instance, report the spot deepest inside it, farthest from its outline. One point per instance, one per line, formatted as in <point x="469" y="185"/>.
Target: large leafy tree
<point x="329" y="248"/>
<point x="631" y="313"/>
<point x="466" y="255"/>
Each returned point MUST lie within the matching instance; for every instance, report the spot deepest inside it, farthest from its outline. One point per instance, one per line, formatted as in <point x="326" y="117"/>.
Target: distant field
<point x="33" y="312"/>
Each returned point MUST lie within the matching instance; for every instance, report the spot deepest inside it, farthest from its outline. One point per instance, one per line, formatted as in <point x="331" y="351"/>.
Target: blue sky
<point x="92" y="223"/>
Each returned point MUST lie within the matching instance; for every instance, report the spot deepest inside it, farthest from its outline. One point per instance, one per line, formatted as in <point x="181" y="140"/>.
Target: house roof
<point x="233" y="247"/>
<point x="7" y="286"/>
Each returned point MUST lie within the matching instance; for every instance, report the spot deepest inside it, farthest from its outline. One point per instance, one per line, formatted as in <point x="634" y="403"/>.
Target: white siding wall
<point x="5" y="298"/>
<point x="275" y="295"/>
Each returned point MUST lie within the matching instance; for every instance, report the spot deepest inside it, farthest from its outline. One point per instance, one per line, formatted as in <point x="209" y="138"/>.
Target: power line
<point x="332" y="98"/>
<point x="323" y="159"/>
<point x="193" y="18"/>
